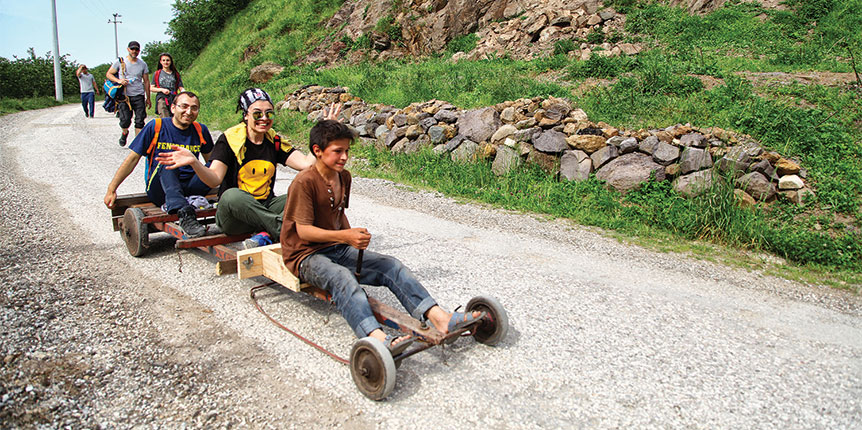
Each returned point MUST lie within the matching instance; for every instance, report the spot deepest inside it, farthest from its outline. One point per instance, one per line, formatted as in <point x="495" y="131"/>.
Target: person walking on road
<point x="132" y="73"/>
<point x="89" y="89"/>
<point x="166" y="84"/>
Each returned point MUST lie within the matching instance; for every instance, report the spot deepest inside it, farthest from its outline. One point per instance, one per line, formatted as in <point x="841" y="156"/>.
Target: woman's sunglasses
<point x="258" y="115"/>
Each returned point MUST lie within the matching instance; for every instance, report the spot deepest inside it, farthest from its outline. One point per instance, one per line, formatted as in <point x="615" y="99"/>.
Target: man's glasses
<point x="134" y="49"/>
<point x="184" y="106"/>
<point x="258" y="115"/>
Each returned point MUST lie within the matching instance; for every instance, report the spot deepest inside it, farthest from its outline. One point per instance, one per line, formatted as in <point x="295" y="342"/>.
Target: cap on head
<point x="249" y="96"/>
<point x="134" y="44"/>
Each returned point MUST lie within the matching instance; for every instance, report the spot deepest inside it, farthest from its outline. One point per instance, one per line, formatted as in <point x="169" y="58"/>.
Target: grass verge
<point x="8" y="105"/>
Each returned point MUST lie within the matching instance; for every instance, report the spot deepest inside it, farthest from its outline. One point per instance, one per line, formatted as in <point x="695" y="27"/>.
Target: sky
<point x="82" y="25"/>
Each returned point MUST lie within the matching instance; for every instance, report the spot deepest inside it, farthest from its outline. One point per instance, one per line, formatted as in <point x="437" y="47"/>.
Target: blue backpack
<point x="114" y="92"/>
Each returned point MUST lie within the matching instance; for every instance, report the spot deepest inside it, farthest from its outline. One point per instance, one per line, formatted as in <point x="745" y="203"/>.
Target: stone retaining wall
<point x="559" y="137"/>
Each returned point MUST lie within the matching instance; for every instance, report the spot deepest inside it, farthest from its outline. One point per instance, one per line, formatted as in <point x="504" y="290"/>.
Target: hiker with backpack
<point x="166" y="84"/>
<point x="133" y="74"/>
<point x="170" y="187"/>
<point x="243" y="167"/>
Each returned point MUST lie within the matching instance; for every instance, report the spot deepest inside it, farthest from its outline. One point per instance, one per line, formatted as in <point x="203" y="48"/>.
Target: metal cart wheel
<point x="135" y="233"/>
<point x="495" y="325"/>
<point x="372" y="368"/>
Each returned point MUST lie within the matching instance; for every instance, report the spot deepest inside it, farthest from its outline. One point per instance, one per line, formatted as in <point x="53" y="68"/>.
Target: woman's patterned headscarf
<point x="249" y="96"/>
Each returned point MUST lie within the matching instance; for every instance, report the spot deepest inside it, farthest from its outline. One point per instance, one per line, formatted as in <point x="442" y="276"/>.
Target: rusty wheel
<point x="495" y="325"/>
<point x="135" y="233"/>
<point x="372" y="368"/>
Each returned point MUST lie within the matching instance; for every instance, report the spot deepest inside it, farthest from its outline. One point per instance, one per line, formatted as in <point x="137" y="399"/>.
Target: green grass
<point x="653" y="211"/>
<point x="817" y="125"/>
<point x="8" y="105"/>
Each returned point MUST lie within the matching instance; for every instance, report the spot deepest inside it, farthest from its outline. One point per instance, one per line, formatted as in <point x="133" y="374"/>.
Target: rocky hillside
<point x="521" y="29"/>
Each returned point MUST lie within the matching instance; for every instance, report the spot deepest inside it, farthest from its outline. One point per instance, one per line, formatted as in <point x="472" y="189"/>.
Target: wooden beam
<point x="266" y="261"/>
<point x="226" y="267"/>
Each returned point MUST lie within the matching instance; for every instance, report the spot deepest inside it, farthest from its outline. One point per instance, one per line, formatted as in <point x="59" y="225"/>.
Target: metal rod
<point x="359" y="264"/>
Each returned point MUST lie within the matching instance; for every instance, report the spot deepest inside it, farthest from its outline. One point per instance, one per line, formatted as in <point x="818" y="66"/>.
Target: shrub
<point x="464" y="43"/>
<point x="389" y="27"/>
<point x="564" y="46"/>
<point x="595" y="37"/>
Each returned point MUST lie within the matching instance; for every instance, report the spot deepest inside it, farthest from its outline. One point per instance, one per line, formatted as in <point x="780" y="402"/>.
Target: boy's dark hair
<point x="325" y="132"/>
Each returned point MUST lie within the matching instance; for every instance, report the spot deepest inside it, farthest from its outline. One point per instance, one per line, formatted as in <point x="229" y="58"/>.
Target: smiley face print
<point x="255" y="178"/>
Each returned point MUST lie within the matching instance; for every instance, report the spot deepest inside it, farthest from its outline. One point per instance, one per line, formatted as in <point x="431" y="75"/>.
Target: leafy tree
<point x="33" y="76"/>
<point x="195" y="22"/>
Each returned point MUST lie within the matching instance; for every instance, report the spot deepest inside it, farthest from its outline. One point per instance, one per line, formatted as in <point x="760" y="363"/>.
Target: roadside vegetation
<point x="28" y="82"/>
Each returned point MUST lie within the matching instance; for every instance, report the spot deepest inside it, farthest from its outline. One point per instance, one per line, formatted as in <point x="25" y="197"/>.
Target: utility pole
<point x="58" y="77"/>
<point x="115" y="22"/>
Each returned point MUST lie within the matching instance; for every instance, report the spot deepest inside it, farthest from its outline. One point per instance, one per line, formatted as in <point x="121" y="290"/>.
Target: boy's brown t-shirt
<point x="308" y="203"/>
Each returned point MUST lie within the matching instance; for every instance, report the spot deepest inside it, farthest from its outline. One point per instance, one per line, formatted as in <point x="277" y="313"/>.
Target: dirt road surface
<point x="603" y="335"/>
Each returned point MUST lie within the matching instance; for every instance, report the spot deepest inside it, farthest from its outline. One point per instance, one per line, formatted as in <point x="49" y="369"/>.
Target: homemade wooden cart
<point x="135" y="217"/>
<point x="372" y="366"/>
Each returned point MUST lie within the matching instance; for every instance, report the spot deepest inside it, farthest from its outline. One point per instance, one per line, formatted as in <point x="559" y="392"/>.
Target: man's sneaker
<point x="260" y="239"/>
<point x="123" y="139"/>
<point x="189" y="222"/>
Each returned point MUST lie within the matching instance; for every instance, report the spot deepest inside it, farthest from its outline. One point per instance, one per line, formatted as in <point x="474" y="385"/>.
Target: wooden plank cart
<point x="135" y="217"/>
<point x="372" y="367"/>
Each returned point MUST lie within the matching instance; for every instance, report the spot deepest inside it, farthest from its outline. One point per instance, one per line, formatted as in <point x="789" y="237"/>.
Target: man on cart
<point x="170" y="187"/>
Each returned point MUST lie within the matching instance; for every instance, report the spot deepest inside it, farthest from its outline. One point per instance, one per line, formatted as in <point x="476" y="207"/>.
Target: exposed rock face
<point x="575" y="165"/>
<point x="522" y="29"/>
<point x="551" y="141"/>
<point x="264" y="72"/>
<point x="694" y="159"/>
<point x="505" y="160"/>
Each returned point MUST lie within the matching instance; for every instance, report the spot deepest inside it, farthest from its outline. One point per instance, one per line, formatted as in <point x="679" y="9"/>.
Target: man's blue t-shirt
<point x="168" y="136"/>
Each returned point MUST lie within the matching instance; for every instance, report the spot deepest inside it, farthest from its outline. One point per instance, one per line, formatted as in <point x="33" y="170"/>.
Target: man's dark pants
<point x="167" y="187"/>
<point x="139" y="106"/>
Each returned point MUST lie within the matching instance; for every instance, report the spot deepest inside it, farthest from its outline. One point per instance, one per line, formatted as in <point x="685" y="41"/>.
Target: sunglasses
<point x="258" y="115"/>
<point x="134" y="49"/>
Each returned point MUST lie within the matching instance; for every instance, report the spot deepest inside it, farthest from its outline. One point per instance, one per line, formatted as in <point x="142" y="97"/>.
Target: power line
<point x="87" y="5"/>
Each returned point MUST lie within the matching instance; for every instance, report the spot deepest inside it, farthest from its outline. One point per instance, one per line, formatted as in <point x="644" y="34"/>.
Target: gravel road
<point x="603" y="334"/>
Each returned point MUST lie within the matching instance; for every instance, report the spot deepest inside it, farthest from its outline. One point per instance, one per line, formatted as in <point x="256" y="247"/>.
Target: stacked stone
<point x="560" y="138"/>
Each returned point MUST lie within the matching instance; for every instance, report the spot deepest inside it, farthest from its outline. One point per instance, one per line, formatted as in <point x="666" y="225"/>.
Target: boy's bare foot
<point x="442" y="320"/>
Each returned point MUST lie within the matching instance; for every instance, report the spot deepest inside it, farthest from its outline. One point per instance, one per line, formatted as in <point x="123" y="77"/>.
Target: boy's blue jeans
<point x="167" y="187"/>
<point x="332" y="270"/>
<point x="88" y="101"/>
